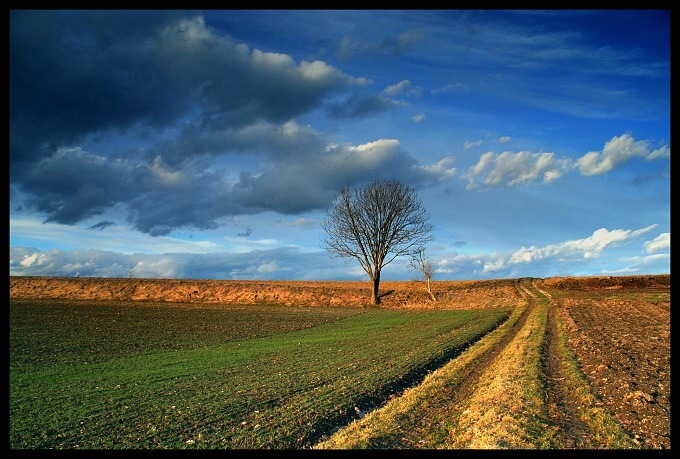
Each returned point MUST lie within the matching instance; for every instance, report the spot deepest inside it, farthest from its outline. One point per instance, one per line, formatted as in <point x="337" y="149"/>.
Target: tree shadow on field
<point x="389" y="292"/>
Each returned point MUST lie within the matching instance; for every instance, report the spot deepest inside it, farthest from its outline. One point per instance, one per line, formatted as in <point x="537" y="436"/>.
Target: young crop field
<point x="557" y="363"/>
<point x="124" y="375"/>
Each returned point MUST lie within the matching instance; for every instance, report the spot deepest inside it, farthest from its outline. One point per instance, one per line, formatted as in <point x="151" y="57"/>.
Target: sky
<point x="210" y="144"/>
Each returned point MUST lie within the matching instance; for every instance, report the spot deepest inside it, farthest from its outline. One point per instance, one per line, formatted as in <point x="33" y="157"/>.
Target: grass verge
<point x="418" y="418"/>
<point x="507" y="410"/>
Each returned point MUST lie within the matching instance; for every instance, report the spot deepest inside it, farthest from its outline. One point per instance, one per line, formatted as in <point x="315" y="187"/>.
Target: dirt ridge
<point x="394" y="294"/>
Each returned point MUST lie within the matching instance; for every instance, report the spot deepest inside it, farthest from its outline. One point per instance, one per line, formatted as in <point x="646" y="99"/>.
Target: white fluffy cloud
<point x="510" y="169"/>
<point x="618" y="150"/>
<point x="587" y="248"/>
<point x="278" y="263"/>
<point x="546" y="259"/>
<point x="661" y="242"/>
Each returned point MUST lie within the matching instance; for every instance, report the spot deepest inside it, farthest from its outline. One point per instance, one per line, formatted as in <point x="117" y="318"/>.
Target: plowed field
<point x="620" y="333"/>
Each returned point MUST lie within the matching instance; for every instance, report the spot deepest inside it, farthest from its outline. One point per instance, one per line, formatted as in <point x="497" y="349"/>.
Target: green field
<point x="112" y="375"/>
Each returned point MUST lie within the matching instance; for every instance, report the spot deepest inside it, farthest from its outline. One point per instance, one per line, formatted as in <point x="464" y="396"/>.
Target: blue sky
<point x="209" y="144"/>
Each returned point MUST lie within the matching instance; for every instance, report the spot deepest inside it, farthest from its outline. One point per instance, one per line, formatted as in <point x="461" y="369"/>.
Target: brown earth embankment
<point x="399" y="294"/>
<point x="467" y="294"/>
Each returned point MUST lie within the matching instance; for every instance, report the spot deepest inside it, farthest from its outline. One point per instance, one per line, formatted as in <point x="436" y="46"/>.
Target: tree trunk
<point x="429" y="290"/>
<point x="375" y="298"/>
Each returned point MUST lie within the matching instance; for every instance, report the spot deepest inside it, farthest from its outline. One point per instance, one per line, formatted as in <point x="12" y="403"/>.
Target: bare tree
<point x="423" y="264"/>
<point x="375" y="225"/>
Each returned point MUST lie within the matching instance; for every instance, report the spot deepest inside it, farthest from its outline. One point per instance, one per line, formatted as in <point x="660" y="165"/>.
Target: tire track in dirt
<point x="563" y="408"/>
<point x="470" y="376"/>
<point x="425" y="417"/>
<point x="469" y="382"/>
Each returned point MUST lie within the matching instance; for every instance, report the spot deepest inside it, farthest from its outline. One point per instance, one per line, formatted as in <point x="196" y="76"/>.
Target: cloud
<point x="98" y="64"/>
<point x="440" y="170"/>
<point x="449" y="88"/>
<point x="241" y="85"/>
<point x="127" y="77"/>
<point x="246" y="233"/>
<point x="618" y="150"/>
<point x="646" y="264"/>
<point x="118" y="237"/>
<point x="661" y="242"/>
<point x="281" y="140"/>
<point x="586" y="248"/>
<point x="360" y="106"/>
<point x="73" y="184"/>
<point x="129" y="69"/>
<point x="102" y="224"/>
<point x="550" y="259"/>
<point x="297" y="223"/>
<point x="509" y="169"/>
<point x="159" y="197"/>
<point x="295" y="263"/>
<point x="471" y="143"/>
<point x="404" y="87"/>
<point x="279" y="263"/>
<point x="271" y="267"/>
<point x="175" y="75"/>
<point x="394" y="45"/>
<point x="278" y="187"/>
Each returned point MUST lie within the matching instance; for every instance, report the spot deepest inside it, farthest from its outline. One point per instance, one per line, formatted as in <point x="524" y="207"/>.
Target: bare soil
<point x="618" y="327"/>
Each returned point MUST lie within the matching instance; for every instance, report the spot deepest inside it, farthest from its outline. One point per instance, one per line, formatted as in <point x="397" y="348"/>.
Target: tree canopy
<point x="375" y="225"/>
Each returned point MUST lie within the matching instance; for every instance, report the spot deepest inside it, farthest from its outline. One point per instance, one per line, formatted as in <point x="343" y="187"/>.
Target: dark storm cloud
<point x="72" y="185"/>
<point x="75" y="73"/>
<point x="172" y="199"/>
<point x="279" y="140"/>
<point x="161" y="100"/>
